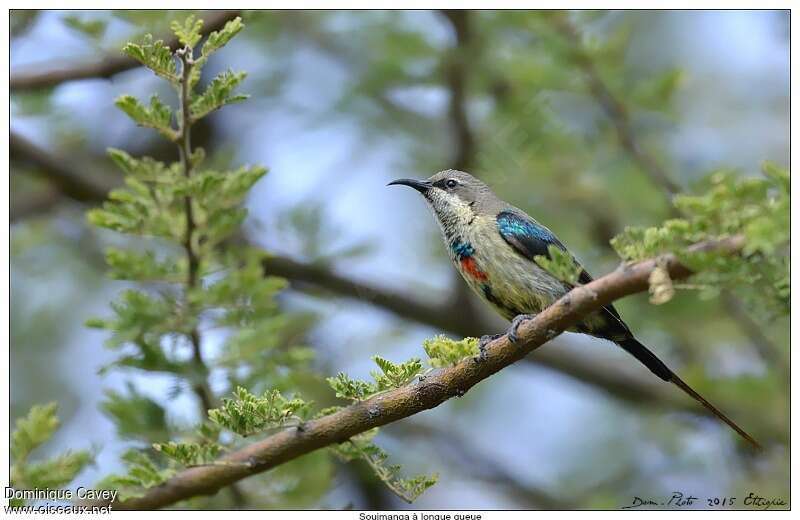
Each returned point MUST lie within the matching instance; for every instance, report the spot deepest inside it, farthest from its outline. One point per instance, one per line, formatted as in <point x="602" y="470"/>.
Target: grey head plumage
<point x="454" y="195"/>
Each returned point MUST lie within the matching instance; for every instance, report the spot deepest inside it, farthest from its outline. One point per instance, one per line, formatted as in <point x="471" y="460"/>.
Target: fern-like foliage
<point x="362" y="447"/>
<point x="143" y="473"/>
<point x="443" y="351"/>
<point x="157" y="115"/>
<point x="248" y="414"/>
<point x="390" y="376"/>
<point x="347" y="388"/>
<point x="560" y="264"/>
<point x="756" y="207"/>
<point x="155" y="55"/>
<point x="31" y="432"/>
<point x="218" y="94"/>
<point x="190" y="453"/>
<point x="179" y="214"/>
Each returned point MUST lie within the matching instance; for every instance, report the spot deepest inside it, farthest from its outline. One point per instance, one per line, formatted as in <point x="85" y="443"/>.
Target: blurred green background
<point x="589" y="121"/>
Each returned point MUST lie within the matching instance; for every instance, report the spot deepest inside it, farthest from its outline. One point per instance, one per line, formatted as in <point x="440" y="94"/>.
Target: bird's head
<point x="454" y="196"/>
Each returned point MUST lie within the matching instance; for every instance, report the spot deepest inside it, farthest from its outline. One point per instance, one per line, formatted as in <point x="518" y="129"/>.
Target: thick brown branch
<point x="428" y="393"/>
<point x="44" y="76"/>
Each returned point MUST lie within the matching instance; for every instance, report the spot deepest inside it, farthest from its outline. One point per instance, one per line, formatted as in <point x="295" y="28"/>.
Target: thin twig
<point x="46" y="76"/>
<point x="200" y="386"/>
<point x="185" y="150"/>
<point x="473" y="461"/>
<point x="382" y="472"/>
<point x="614" y="109"/>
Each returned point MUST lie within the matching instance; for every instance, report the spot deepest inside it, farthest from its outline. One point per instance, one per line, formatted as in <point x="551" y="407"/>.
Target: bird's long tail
<point x="648" y="359"/>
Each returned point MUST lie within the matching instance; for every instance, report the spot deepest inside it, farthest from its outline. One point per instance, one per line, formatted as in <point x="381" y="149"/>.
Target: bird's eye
<point x="451" y="183"/>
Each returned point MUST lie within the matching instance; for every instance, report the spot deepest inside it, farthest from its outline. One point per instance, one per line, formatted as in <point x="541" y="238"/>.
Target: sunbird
<point x="493" y="245"/>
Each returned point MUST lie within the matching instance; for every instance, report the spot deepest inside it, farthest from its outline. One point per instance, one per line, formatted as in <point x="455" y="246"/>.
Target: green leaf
<point x="560" y="264"/>
<point x="190" y="453"/>
<point x="156" y="56"/>
<point x="248" y="414"/>
<point x="362" y="447"/>
<point x="143" y="266"/>
<point x="756" y="207"/>
<point x="58" y="471"/>
<point x="157" y="116"/>
<point x="443" y="351"/>
<point x="138" y="313"/>
<point x="777" y="174"/>
<point x="142" y="473"/>
<point x="393" y="375"/>
<point x="188" y="33"/>
<point x="145" y="169"/>
<point x="347" y="388"/>
<point x="218" y="39"/>
<point x="33" y="430"/>
<point x="136" y="416"/>
<point x="142" y="322"/>
<point x="218" y="94"/>
<point x="245" y="294"/>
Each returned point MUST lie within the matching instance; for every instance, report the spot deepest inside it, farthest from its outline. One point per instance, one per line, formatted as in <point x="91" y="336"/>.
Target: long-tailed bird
<point x="493" y="246"/>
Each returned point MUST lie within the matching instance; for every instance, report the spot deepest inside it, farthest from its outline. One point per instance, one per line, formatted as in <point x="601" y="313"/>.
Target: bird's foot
<point x="485" y="340"/>
<point x="514" y="328"/>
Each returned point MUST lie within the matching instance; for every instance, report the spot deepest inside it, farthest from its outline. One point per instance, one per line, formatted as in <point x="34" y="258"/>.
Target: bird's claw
<point x="514" y="328"/>
<point x="482" y="343"/>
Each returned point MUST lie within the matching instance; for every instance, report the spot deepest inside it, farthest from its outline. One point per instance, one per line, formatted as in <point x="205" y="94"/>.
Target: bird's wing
<point x="529" y="239"/>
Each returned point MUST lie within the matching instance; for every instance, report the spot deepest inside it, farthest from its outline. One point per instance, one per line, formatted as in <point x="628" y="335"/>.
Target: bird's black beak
<point x="420" y="186"/>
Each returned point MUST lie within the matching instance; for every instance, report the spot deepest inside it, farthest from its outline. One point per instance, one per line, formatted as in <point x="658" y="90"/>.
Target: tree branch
<point x="106" y="67"/>
<point x="56" y="170"/>
<point x="614" y="109"/>
<point x="455" y="71"/>
<point x="455" y="77"/>
<point x="477" y="464"/>
<point x="34" y="205"/>
<point x="428" y="393"/>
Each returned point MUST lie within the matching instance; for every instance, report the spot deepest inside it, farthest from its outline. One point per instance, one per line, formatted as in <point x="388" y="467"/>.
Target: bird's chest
<point x="507" y="281"/>
<point x="469" y="251"/>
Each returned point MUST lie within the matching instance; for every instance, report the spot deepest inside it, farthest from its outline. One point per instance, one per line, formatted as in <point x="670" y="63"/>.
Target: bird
<point x="493" y="245"/>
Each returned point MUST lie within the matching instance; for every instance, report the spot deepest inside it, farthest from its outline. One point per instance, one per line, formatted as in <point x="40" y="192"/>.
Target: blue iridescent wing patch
<point x="526" y="236"/>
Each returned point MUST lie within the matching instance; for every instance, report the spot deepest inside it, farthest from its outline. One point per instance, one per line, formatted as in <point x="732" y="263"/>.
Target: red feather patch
<point x="469" y="266"/>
